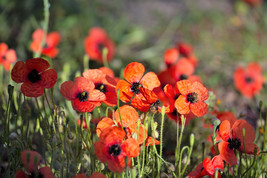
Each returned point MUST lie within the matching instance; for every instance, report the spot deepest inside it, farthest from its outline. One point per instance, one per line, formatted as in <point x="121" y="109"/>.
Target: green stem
<point x="104" y="56"/>
<point x="45" y="26"/>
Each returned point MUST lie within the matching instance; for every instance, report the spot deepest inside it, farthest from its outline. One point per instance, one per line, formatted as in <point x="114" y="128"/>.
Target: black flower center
<point x="83" y="96"/>
<point x="45" y="45"/>
<point x="100" y="47"/>
<point x="101" y="87"/>
<point x="135" y="87"/>
<point x="36" y="175"/>
<point x="249" y="79"/>
<point x="3" y="57"/>
<point x="34" y="76"/>
<point x="234" y="143"/>
<point x="183" y="77"/>
<point x="192" y="97"/>
<point x="115" y="150"/>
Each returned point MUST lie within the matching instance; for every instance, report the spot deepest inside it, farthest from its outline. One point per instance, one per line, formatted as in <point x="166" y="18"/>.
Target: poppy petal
<point x="201" y="91"/>
<point x="103" y="124"/>
<point x="237" y="131"/>
<point x="249" y="148"/>
<point x="19" y="72"/>
<point x="38" y="64"/>
<point x="66" y="89"/>
<point x="3" y="48"/>
<point x="227" y="154"/>
<point x="94" y="75"/>
<point x="224" y="130"/>
<point x="125" y="91"/>
<point x="96" y="95"/>
<point x="49" y="78"/>
<point x="46" y="172"/>
<point x="38" y="35"/>
<point x="30" y="160"/>
<point x="140" y="103"/>
<point x="98" y="147"/>
<point x="131" y="147"/>
<point x="11" y="56"/>
<point x="150" y="81"/>
<point x="182" y="105"/>
<point x="80" y="176"/>
<point x="20" y="174"/>
<point x="151" y="141"/>
<point x="171" y="55"/>
<point x="52" y="39"/>
<point x="185" y="87"/>
<point x="196" y="173"/>
<point x="128" y="114"/>
<point x="82" y="83"/>
<point x="97" y="175"/>
<point x="149" y="95"/>
<point x="111" y="99"/>
<point x="112" y="134"/>
<point x="199" y="109"/>
<point x="134" y="72"/>
<point x="50" y="52"/>
<point x="32" y="89"/>
<point x="83" y="106"/>
<point x="169" y="92"/>
<point x="142" y="134"/>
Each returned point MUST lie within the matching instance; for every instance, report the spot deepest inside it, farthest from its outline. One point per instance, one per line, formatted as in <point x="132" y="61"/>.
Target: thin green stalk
<point x="104" y="56"/>
<point x="118" y="105"/>
<point x="86" y="60"/>
<point x="161" y="138"/>
<point x="46" y="98"/>
<point x="45" y="26"/>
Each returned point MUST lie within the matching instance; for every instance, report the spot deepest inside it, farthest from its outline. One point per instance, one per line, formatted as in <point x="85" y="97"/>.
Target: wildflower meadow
<point x="103" y="89"/>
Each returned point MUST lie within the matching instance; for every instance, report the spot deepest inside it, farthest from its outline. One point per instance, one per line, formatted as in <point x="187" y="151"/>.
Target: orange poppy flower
<point x="232" y="138"/>
<point x="7" y="56"/>
<point x="51" y="41"/>
<point x="103" y="83"/>
<point x="133" y="75"/>
<point x="249" y="81"/>
<point x="192" y="59"/>
<point x="192" y="98"/>
<point x="208" y="167"/>
<point x="171" y="56"/>
<point x="112" y="148"/>
<point x="150" y="141"/>
<point x="82" y="94"/>
<point x="96" y="41"/>
<point x="35" y="76"/>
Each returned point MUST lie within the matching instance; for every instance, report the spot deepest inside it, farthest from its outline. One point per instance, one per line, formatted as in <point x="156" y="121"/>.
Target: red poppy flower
<point x="227" y="116"/>
<point x="103" y="83"/>
<point x="133" y="75"/>
<point x="35" y="76"/>
<point x="171" y="56"/>
<point x="31" y="161"/>
<point x="7" y="56"/>
<point x="192" y="98"/>
<point x="182" y="69"/>
<point x="249" y="81"/>
<point x="94" y="175"/>
<point x="166" y="77"/>
<point x="253" y="2"/>
<point x="51" y="41"/>
<point x="192" y="59"/>
<point x="232" y="138"/>
<point x="95" y="42"/>
<point x="82" y="94"/>
<point x="208" y="167"/>
<point x="185" y="49"/>
<point x="112" y="148"/>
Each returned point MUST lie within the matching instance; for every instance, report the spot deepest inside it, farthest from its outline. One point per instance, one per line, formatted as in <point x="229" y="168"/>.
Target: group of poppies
<point x="175" y="91"/>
